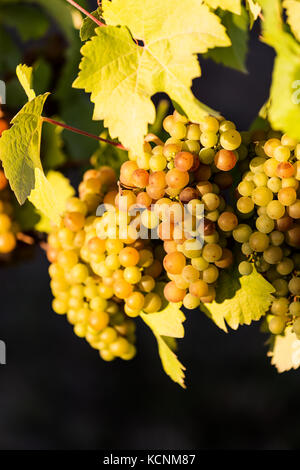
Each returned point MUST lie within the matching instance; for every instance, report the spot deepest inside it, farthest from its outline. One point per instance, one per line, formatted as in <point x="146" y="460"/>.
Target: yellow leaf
<point x="49" y="196"/>
<point x="293" y="16"/>
<point x="231" y="5"/>
<point x="24" y="75"/>
<point x="286" y="351"/>
<point x="168" y="322"/>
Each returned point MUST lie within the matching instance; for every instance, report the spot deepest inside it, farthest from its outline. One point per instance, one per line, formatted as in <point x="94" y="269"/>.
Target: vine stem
<point x="79" y="131"/>
<point x="74" y="4"/>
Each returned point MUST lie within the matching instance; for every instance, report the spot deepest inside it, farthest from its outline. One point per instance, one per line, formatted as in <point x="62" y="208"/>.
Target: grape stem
<point x="74" y="4"/>
<point x="79" y="131"/>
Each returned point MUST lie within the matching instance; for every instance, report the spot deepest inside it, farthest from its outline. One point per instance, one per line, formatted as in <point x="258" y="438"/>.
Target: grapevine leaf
<point x="254" y="10"/>
<point x="88" y="26"/>
<point x="26" y="216"/>
<point x="231" y="5"/>
<point x="122" y="75"/>
<point x="285" y="353"/>
<point x="106" y="154"/>
<point x="51" y="148"/>
<point x="168" y="322"/>
<point x="235" y="55"/>
<point x="240" y="300"/>
<point x="284" y="110"/>
<point x="42" y="75"/>
<point x="25" y="76"/>
<point x="55" y="188"/>
<point x="293" y="16"/>
<point x="76" y="108"/>
<point x="20" y="148"/>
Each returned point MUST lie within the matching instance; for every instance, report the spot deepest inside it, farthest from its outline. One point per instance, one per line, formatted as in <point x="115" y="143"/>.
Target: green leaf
<point x="42" y="74"/>
<point x="231" y="5"/>
<point x="285" y="353"/>
<point x="25" y="77"/>
<point x="240" y="300"/>
<point x="88" y="26"/>
<point x="56" y="188"/>
<point x="284" y="110"/>
<point x="26" y="216"/>
<point x="76" y="108"/>
<point x="168" y="323"/>
<point x="52" y="145"/>
<point x="106" y="154"/>
<point x="20" y="148"/>
<point x="122" y="76"/>
<point x="254" y="10"/>
<point x="28" y="20"/>
<point x="235" y="55"/>
<point x="293" y="16"/>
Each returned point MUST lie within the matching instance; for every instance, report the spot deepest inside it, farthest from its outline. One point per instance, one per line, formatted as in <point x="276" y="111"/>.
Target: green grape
<point x="206" y="155"/>
<point x="294" y="286"/>
<point x="208" y="139"/>
<point x="245" y="205"/>
<point x="212" y="252"/>
<point x="191" y="302"/>
<point x="296" y="327"/>
<point x="277" y="325"/>
<point x="210" y="275"/>
<point x="264" y="224"/>
<point x="230" y="139"/>
<point x="260" y="179"/>
<point x="281" y="287"/>
<point x="246" y="249"/>
<point x="209" y="124"/>
<point x="257" y="165"/>
<point x="245" y="188"/>
<point x="245" y="268"/>
<point x="200" y="263"/>
<point x="276" y="238"/>
<point x="193" y="132"/>
<point x="273" y="254"/>
<point x="280" y="306"/>
<point x="282" y="153"/>
<point x="275" y="210"/>
<point x="262" y="196"/>
<point x="285" y="266"/>
<point x="295" y="309"/>
<point x="242" y="233"/>
<point x="226" y="126"/>
<point x="259" y="241"/>
<point x="274" y="184"/>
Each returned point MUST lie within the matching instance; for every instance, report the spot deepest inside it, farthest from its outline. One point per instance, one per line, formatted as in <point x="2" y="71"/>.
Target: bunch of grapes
<point x="268" y="195"/>
<point x="172" y="182"/>
<point x="102" y="274"/>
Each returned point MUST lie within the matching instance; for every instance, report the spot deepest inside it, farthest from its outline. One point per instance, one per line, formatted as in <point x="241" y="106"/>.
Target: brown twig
<point x="23" y="237"/>
<point x="85" y="12"/>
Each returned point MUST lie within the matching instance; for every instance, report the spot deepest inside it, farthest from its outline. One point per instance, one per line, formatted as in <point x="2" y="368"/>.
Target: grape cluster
<point x="171" y="182"/>
<point x="102" y="274"/>
<point x="268" y="195"/>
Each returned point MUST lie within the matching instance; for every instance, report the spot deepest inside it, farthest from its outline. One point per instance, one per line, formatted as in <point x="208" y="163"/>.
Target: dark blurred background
<point x="56" y="393"/>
